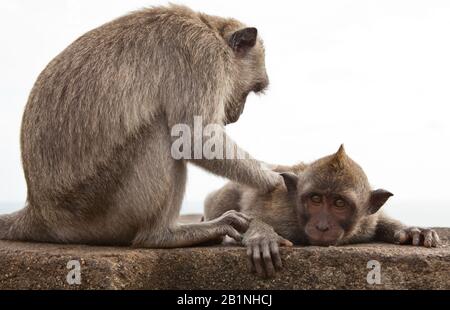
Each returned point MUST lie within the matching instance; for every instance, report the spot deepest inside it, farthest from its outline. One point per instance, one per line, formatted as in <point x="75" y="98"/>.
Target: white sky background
<point x="374" y="75"/>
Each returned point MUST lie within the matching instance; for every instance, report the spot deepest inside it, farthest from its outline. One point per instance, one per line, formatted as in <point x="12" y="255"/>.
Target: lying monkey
<point x="329" y="202"/>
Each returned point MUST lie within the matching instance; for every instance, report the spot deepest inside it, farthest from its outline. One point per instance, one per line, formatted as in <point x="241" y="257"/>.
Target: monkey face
<point x="252" y="76"/>
<point x="253" y="68"/>
<point x="327" y="216"/>
<point x="332" y="195"/>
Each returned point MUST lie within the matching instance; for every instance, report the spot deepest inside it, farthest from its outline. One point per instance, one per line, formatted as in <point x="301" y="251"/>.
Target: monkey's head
<point x="332" y="195"/>
<point x="249" y="69"/>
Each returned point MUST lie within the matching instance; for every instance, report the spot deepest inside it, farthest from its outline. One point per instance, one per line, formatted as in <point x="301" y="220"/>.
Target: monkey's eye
<point x="315" y="198"/>
<point x="340" y="203"/>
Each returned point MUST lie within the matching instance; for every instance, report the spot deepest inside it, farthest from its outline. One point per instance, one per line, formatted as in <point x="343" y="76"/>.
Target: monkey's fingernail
<point x="286" y="242"/>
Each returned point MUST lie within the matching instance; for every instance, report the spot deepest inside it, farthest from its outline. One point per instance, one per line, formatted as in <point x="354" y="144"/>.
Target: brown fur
<point x="96" y="137"/>
<point x="280" y="216"/>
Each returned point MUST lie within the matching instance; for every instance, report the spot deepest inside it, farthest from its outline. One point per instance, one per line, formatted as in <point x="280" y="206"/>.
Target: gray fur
<point x="279" y="208"/>
<point x="95" y="135"/>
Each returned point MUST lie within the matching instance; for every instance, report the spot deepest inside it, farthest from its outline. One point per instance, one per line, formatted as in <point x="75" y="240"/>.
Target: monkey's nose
<point x="322" y="227"/>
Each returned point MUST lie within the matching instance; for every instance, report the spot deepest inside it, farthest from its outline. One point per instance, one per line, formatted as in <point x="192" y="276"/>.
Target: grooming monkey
<point x="96" y="131"/>
<point x="329" y="202"/>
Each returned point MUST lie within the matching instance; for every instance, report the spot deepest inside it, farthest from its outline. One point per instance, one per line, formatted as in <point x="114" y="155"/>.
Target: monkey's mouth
<point x="323" y="238"/>
<point x="259" y="88"/>
<point x="322" y="242"/>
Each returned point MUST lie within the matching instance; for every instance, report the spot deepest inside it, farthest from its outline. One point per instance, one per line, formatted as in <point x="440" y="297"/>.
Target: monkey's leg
<point x="231" y="223"/>
<point x="153" y="194"/>
<point x="158" y="227"/>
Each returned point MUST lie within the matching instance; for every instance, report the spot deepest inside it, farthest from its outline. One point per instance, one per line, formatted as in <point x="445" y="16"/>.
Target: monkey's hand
<point x="417" y="236"/>
<point x="262" y="242"/>
<point x="232" y="223"/>
<point x="273" y="181"/>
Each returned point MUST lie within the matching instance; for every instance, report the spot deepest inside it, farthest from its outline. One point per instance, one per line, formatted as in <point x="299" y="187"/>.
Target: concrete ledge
<point x="43" y="266"/>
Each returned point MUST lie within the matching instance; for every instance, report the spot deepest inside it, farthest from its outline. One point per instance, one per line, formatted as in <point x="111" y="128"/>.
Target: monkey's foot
<point x="232" y="223"/>
<point x="418" y="237"/>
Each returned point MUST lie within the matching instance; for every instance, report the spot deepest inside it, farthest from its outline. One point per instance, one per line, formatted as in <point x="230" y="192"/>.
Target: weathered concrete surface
<point x="43" y="266"/>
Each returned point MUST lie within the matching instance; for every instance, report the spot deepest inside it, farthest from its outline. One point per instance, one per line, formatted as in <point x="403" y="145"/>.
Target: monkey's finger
<point x="257" y="262"/>
<point x="233" y="233"/>
<point x="402" y="237"/>
<point x="270" y="269"/>
<point x="415" y="233"/>
<point x="276" y="255"/>
<point x="436" y="241"/>
<point x="250" y="265"/>
<point x="428" y="238"/>
<point x="238" y="222"/>
<point x="245" y="216"/>
<point x="285" y="242"/>
<point x="234" y="213"/>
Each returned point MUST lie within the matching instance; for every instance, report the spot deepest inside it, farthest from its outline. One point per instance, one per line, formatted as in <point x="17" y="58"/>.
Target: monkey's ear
<point x="377" y="199"/>
<point x="290" y="180"/>
<point x="243" y="40"/>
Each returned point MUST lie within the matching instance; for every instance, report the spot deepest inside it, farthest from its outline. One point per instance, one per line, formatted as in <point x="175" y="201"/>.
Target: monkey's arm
<point x="392" y="231"/>
<point x="237" y="165"/>
<point x="386" y="228"/>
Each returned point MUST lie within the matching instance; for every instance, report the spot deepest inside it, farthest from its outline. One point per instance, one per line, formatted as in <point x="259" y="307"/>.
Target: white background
<point x="374" y="75"/>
